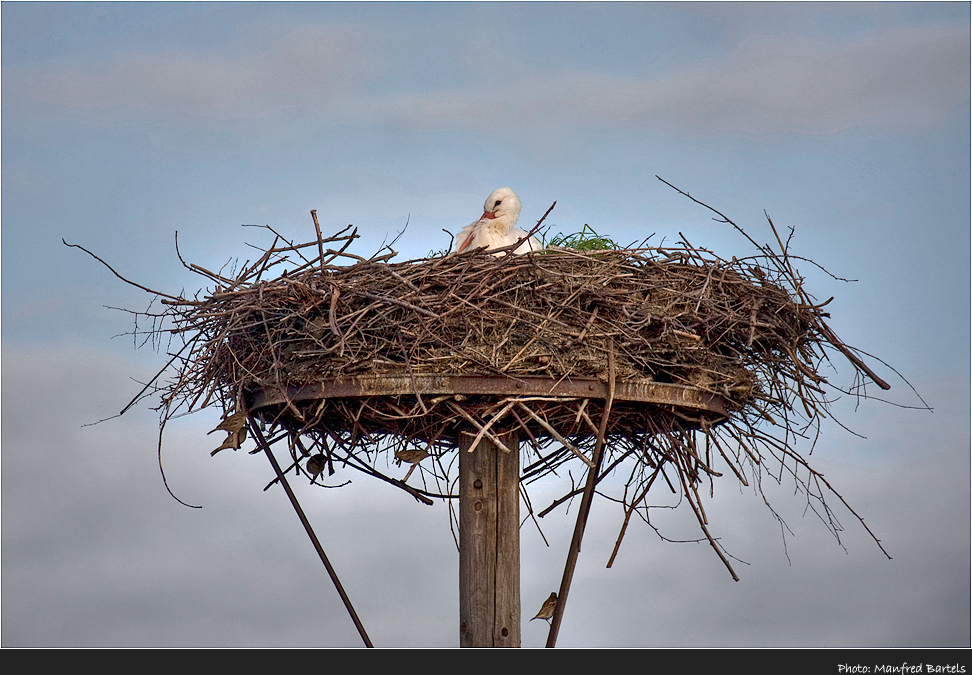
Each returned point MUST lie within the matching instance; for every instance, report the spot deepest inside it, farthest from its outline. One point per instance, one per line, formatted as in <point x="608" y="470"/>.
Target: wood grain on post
<point x="489" y="543"/>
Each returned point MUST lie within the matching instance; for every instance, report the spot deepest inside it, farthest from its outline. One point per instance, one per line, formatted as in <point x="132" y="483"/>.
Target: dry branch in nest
<point x="352" y="365"/>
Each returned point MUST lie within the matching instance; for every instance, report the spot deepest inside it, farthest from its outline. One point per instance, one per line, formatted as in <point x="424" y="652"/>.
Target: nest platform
<point x="355" y="363"/>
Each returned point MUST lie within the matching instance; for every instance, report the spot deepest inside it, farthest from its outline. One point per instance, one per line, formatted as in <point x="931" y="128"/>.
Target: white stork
<point x="496" y="228"/>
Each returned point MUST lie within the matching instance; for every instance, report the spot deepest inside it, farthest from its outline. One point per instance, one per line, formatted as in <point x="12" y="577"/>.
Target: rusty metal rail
<point x="640" y="390"/>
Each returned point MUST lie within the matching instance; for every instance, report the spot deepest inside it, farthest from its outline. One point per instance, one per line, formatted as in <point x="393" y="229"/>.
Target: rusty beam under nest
<point x="640" y="390"/>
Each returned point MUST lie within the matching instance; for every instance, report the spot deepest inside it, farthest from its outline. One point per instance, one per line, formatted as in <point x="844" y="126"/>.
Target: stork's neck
<point x="499" y="224"/>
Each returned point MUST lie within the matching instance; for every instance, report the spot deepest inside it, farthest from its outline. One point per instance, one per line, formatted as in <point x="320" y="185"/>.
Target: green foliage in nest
<point x="585" y="240"/>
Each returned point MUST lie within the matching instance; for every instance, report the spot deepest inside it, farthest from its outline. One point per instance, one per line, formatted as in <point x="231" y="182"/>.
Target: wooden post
<point x="489" y="543"/>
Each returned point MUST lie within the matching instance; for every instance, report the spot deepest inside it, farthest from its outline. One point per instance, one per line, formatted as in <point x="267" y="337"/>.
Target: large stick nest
<point x="741" y="331"/>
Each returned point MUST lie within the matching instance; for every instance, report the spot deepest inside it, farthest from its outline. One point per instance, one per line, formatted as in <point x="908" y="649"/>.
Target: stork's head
<point x="502" y="203"/>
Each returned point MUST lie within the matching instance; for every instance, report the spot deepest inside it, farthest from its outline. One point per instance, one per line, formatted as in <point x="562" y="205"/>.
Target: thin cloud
<point x="306" y="67"/>
<point x="789" y="83"/>
<point x="780" y="83"/>
<point x="329" y="77"/>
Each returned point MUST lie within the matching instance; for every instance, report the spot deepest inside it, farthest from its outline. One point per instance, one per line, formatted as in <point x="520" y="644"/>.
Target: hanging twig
<point x="258" y="435"/>
<point x="585" y="507"/>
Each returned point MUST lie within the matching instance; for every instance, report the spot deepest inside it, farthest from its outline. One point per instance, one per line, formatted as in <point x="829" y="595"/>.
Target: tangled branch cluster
<point x="741" y="335"/>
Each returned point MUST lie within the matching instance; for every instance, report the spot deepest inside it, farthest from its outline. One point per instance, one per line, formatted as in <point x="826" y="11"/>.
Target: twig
<point x="258" y="435"/>
<point x="585" y="507"/>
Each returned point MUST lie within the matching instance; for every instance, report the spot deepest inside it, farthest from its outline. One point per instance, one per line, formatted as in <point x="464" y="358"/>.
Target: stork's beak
<point x="488" y="215"/>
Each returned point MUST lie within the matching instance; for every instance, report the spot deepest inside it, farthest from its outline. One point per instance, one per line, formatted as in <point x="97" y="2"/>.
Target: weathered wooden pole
<point x="489" y="542"/>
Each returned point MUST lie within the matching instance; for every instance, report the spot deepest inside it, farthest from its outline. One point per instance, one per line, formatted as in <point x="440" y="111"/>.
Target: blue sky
<point x="122" y="123"/>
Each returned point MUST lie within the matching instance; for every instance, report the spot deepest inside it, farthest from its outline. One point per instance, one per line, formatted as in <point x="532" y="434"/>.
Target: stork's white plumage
<point x="496" y="228"/>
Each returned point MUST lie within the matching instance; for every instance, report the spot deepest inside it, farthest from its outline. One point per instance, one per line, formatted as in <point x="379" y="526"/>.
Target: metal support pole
<point x="585" y="507"/>
<point x="262" y="442"/>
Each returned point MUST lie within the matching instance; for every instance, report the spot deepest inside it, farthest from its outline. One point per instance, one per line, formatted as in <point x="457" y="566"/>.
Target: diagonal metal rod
<point x="262" y="442"/>
<point x="585" y="507"/>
